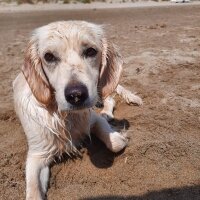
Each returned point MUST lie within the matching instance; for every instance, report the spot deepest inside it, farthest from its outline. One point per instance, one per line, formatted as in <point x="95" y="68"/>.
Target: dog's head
<point x="71" y="63"/>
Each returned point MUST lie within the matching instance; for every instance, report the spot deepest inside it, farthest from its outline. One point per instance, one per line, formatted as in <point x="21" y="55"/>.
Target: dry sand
<point x="161" y="49"/>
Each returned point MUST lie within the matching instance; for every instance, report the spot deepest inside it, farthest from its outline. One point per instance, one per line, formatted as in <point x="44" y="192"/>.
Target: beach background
<point x="160" y="44"/>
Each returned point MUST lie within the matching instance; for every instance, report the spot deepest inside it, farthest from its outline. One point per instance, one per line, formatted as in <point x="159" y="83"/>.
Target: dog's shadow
<point x="99" y="155"/>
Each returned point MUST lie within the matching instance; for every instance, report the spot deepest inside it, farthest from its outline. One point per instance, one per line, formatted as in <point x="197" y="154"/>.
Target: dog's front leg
<point x="107" y="112"/>
<point x="44" y="179"/>
<point x="114" y="141"/>
<point x="34" y="188"/>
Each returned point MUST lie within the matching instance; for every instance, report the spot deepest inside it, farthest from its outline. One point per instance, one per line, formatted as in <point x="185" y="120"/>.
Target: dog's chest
<point x="78" y="125"/>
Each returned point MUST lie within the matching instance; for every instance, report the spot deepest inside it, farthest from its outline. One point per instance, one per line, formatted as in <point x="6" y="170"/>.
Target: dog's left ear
<point x="111" y="68"/>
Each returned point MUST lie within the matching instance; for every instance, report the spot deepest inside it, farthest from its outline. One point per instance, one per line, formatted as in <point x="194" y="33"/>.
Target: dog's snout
<point x="76" y="94"/>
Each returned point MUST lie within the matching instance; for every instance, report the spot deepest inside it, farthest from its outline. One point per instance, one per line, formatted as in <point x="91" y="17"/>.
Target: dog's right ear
<point x="34" y="74"/>
<point x="111" y="69"/>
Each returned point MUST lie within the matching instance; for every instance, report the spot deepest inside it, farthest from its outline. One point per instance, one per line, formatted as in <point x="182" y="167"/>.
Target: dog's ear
<point x="111" y="68"/>
<point x="34" y="74"/>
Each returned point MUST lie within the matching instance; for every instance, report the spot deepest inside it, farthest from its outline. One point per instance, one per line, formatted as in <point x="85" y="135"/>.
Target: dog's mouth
<point x="80" y="107"/>
<point x="86" y="105"/>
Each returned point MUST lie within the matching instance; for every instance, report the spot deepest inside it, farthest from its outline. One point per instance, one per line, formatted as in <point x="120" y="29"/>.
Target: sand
<point x="161" y="49"/>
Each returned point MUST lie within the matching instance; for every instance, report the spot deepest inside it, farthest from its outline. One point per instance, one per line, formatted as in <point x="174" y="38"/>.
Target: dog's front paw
<point x="107" y="115"/>
<point x="117" y="142"/>
<point x="133" y="99"/>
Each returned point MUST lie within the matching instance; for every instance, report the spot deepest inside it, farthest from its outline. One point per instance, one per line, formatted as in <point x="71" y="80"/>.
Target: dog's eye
<point x="49" y="57"/>
<point x="90" y="52"/>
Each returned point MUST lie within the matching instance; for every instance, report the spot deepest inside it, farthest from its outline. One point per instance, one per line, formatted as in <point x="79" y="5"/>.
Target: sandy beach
<point x="161" y="50"/>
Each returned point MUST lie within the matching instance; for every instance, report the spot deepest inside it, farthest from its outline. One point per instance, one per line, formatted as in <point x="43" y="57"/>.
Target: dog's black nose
<point x="76" y="94"/>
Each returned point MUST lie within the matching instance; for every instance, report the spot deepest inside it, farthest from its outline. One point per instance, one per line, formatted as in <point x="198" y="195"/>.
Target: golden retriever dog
<point x="68" y="67"/>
